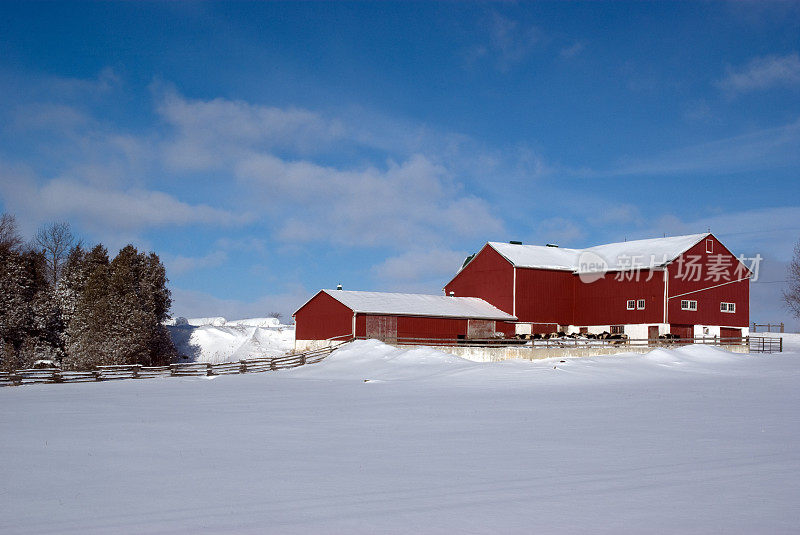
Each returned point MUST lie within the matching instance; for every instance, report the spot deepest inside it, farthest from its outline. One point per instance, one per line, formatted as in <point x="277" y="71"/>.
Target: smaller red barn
<point x="341" y="314"/>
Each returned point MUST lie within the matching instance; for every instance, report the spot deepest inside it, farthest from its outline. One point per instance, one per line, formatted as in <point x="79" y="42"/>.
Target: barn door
<point x="727" y="332"/>
<point x="480" y="328"/>
<point x="382" y="328"/>
<point x="682" y="331"/>
<point x="652" y="332"/>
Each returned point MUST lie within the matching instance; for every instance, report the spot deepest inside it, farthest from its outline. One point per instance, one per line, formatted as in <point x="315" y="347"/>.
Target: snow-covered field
<point x="219" y="340"/>
<point x="382" y="440"/>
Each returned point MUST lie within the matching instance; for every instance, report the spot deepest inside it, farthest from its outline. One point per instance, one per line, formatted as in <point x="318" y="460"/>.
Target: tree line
<point x="76" y="306"/>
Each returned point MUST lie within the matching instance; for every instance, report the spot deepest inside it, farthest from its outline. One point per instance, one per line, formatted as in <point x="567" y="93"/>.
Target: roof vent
<point x="552" y="245"/>
<point x="338" y="286"/>
<point x="514" y="242"/>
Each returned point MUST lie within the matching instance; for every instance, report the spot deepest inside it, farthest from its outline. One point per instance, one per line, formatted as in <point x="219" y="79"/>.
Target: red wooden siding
<point x="545" y="296"/>
<point x="489" y="276"/>
<point x="321" y="318"/>
<point x="604" y="301"/>
<point x="708" y="301"/>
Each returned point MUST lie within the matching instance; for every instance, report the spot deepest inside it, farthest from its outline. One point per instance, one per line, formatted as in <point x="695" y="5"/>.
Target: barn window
<point x="631" y="304"/>
<point x="617" y="329"/>
<point x="687" y="304"/>
<point x="727" y="307"/>
<point x="709" y="246"/>
<point x="640" y="304"/>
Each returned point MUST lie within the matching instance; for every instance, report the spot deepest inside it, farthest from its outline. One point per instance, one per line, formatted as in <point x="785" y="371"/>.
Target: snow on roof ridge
<point x="663" y="250"/>
<point x="417" y="304"/>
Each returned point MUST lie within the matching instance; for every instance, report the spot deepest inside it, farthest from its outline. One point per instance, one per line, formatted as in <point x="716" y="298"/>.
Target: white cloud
<point x="767" y="148"/>
<point x="559" y="230"/>
<point x="178" y="265"/>
<point x="508" y="42"/>
<point x="620" y="213"/>
<point x="572" y="50"/>
<point x="198" y="304"/>
<point x="769" y="231"/>
<point x="421" y="265"/>
<point x="102" y="208"/>
<point x="208" y="133"/>
<point x="400" y="206"/>
<point x="763" y="73"/>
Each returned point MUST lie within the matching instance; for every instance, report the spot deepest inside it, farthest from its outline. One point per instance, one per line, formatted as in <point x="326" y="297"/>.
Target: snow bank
<point x="374" y="360"/>
<point x="688" y="440"/>
<point x="218" y="340"/>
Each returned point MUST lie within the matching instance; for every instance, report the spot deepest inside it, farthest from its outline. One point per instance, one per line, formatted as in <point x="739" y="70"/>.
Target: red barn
<point x="686" y="285"/>
<point x="343" y="314"/>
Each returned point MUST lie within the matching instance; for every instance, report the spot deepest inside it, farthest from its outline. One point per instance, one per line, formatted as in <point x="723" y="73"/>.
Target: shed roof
<point x="617" y="256"/>
<point x="418" y="305"/>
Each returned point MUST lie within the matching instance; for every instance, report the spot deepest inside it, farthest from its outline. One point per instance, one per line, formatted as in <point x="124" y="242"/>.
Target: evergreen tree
<point x="117" y="319"/>
<point x="22" y="286"/>
<point x="86" y="330"/>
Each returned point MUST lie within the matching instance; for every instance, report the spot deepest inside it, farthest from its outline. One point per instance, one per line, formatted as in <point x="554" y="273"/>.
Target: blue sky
<point x="267" y="150"/>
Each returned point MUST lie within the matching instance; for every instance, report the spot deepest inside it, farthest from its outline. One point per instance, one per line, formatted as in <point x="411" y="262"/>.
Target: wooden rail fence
<point x="757" y="344"/>
<point x="188" y="369"/>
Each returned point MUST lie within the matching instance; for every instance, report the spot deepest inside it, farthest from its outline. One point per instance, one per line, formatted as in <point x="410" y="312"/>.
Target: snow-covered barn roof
<point x="617" y="256"/>
<point x="418" y="305"/>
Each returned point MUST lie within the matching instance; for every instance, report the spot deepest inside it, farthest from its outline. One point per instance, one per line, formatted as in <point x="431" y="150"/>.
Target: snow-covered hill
<point x="377" y="439"/>
<point x="218" y="340"/>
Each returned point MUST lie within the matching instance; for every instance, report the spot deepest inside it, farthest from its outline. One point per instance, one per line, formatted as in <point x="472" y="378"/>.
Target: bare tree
<point x="792" y="294"/>
<point x="9" y="234"/>
<point x="55" y="240"/>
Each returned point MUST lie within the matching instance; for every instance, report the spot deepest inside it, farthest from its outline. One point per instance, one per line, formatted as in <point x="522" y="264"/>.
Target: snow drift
<point x="217" y="340"/>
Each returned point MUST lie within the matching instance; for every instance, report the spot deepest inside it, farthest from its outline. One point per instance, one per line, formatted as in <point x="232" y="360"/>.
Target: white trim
<point x="643" y="302"/>
<point x="709" y="246"/>
<point x="630" y="304"/>
<point x="514" y="293"/>
<point x="666" y="290"/>
<point x="354" y="324"/>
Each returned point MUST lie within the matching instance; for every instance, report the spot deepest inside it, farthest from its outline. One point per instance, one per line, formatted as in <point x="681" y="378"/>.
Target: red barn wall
<point x="708" y="301"/>
<point x="604" y="301"/>
<point x="321" y="318"/>
<point x="427" y="327"/>
<point x="545" y="296"/>
<point x="488" y="276"/>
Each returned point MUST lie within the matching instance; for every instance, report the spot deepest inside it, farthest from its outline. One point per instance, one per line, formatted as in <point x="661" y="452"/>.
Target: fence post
<point x="136" y="371"/>
<point x="209" y="370"/>
<point x="242" y="366"/>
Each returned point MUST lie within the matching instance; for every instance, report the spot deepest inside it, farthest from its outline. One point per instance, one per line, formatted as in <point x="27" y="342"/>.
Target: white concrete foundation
<point x="497" y="354"/>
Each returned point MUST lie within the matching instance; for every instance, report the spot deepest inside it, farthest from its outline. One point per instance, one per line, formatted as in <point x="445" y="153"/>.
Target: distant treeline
<point x="65" y="303"/>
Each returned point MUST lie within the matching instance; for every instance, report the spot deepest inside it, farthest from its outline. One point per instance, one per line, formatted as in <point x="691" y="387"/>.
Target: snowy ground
<point x="218" y="340"/>
<point x="691" y="440"/>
